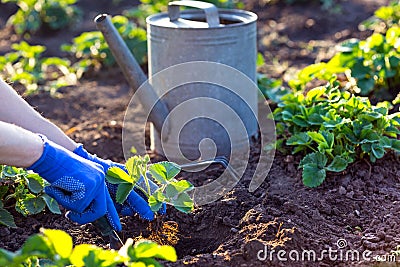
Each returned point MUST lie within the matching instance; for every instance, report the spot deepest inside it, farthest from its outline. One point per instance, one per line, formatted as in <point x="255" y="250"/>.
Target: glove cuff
<point x="50" y="162"/>
<point x="40" y="165"/>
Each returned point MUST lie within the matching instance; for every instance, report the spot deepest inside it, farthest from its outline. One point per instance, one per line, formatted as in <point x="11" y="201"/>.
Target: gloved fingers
<point x="163" y="209"/>
<point x="94" y="211"/>
<point x="70" y="200"/>
<point x="136" y="204"/>
<point x="111" y="213"/>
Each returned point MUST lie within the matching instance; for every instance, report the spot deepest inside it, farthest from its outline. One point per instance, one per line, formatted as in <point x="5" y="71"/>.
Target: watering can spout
<point x="134" y="74"/>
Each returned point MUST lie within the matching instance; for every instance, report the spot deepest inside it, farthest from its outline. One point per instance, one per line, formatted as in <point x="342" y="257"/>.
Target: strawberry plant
<point x="170" y="190"/>
<point x="55" y="248"/>
<point x="24" y="190"/>
<point x="365" y="67"/>
<point x="384" y="18"/>
<point x="91" y="50"/>
<point x="33" y="14"/>
<point x="26" y="66"/>
<point x="333" y="129"/>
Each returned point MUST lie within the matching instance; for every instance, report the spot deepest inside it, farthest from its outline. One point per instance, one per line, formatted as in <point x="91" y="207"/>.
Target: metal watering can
<point x="205" y="34"/>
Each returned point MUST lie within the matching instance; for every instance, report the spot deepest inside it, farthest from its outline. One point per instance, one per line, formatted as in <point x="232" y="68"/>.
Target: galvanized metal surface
<point x="181" y="40"/>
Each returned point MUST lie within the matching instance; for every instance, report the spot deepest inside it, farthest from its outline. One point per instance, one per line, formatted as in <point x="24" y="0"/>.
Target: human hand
<point x="136" y="201"/>
<point x="75" y="183"/>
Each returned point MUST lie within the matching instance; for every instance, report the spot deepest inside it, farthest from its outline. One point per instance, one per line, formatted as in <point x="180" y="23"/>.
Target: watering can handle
<point x="212" y="16"/>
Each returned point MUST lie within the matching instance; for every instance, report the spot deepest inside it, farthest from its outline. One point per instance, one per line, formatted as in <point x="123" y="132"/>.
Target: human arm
<point x="15" y="110"/>
<point x="76" y="183"/>
<point x="18" y="147"/>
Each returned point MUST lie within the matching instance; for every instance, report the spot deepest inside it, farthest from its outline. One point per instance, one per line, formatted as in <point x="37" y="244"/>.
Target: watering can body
<point x="203" y="35"/>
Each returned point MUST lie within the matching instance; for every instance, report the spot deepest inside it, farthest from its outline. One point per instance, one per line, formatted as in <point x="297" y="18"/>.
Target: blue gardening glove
<point x="75" y="183"/>
<point x="136" y="201"/>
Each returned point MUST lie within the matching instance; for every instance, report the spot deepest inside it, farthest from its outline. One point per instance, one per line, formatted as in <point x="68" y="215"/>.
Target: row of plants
<point x="334" y="125"/>
<point x="23" y="191"/>
<point x="55" y="248"/>
<point x="26" y="65"/>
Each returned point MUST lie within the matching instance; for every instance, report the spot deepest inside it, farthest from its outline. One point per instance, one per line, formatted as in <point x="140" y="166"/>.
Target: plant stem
<point x="146" y="180"/>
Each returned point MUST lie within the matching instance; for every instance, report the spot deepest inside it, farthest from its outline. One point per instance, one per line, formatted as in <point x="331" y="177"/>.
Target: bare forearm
<point x="17" y="111"/>
<point x="19" y="147"/>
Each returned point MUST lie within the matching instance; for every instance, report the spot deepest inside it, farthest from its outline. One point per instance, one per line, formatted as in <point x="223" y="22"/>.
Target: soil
<point x="352" y="211"/>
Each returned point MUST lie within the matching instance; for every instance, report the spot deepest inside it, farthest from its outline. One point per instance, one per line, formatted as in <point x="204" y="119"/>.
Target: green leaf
<point x="315" y="93"/>
<point x="313" y="176"/>
<point x="123" y="191"/>
<point x="299" y="139"/>
<point x="148" y="249"/>
<point x="9" y="171"/>
<point x="396" y="145"/>
<point x="329" y="138"/>
<point x="337" y="165"/>
<point x="6" y="218"/>
<point x="116" y="175"/>
<point x="164" y="171"/>
<point x="300" y="121"/>
<point x="39" y="246"/>
<point x="34" y="204"/>
<point x="317" y="137"/>
<point x="183" y="203"/>
<point x="34" y="185"/>
<point x="370" y="136"/>
<point x="154" y="204"/>
<point x="7" y="258"/>
<point x="156" y="200"/>
<point x="51" y="204"/>
<point x="61" y="241"/>
<point x="3" y="191"/>
<point x="314" y="158"/>
<point x="79" y="253"/>
<point x="174" y="188"/>
<point x="366" y="85"/>
<point x="378" y="151"/>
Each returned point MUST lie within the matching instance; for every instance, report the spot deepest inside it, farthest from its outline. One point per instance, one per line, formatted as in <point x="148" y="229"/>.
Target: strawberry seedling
<point x="24" y="191"/>
<point x="170" y="190"/>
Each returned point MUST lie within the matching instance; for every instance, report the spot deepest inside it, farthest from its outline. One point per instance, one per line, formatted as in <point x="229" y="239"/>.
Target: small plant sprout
<point x="136" y="176"/>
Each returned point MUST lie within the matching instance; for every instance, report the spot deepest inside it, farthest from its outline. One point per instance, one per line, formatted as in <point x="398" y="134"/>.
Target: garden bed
<point x="358" y="206"/>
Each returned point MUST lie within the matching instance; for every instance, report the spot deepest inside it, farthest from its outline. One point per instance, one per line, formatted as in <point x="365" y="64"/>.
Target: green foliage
<point x="55" y="248"/>
<point x="333" y="129"/>
<point x="92" y="51"/>
<point x="26" y="65"/>
<point x="33" y="14"/>
<point x="24" y="190"/>
<point x="172" y="191"/>
<point x="384" y="18"/>
<point x="150" y="7"/>
<point x="365" y="67"/>
<point x="271" y="88"/>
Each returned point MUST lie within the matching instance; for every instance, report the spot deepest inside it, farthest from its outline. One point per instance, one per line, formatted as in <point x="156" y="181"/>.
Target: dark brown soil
<point x="358" y="206"/>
